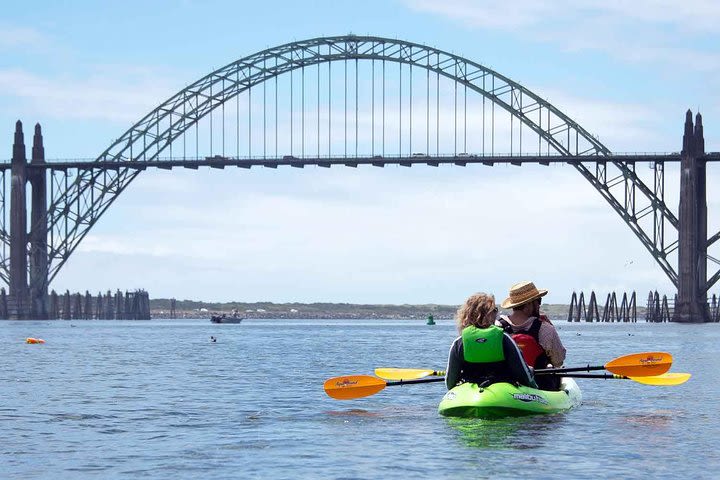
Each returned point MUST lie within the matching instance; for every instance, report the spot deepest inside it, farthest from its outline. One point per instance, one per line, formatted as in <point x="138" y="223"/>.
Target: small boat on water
<point x="504" y="399"/>
<point x="225" y="319"/>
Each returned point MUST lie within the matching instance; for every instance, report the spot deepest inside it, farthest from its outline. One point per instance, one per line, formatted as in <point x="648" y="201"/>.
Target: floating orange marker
<point x="34" y="340"/>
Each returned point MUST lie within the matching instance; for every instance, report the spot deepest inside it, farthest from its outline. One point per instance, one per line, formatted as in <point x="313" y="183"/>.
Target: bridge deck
<point x="219" y="161"/>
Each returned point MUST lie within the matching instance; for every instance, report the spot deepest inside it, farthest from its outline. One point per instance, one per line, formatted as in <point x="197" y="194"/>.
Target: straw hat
<point x="522" y="293"/>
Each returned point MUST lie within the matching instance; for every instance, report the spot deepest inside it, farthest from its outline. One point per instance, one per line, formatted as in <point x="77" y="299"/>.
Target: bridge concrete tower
<point x="28" y="300"/>
<point x="18" y="301"/>
<point x="38" y="234"/>
<point x="691" y="304"/>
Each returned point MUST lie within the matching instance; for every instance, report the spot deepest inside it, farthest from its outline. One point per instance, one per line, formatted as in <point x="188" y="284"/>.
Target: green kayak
<point x="504" y="399"/>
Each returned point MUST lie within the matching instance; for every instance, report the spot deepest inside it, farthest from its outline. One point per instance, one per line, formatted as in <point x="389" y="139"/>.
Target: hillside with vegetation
<point x="160" y="308"/>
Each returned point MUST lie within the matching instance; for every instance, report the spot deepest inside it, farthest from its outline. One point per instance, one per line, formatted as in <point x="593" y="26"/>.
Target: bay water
<point x="158" y="399"/>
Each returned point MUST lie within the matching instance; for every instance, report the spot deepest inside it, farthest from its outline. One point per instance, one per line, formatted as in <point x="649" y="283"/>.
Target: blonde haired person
<point x="483" y="353"/>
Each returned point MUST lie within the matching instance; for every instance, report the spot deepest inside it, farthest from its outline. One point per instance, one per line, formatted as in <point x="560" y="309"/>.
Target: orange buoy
<point x="34" y="340"/>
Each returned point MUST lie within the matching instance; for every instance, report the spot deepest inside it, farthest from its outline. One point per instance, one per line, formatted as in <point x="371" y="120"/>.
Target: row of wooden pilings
<point x="133" y="305"/>
<point x="658" y="309"/>
<point x="625" y="312"/>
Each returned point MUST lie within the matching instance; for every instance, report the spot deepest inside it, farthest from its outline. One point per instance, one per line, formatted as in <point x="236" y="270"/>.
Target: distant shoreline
<point x="160" y="308"/>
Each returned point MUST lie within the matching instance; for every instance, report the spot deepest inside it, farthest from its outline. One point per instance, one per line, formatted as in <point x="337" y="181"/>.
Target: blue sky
<point x="626" y="71"/>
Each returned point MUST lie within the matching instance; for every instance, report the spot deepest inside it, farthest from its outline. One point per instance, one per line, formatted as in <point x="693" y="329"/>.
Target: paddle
<point x="664" y="380"/>
<point x="358" y="386"/>
<point x="645" y="364"/>
<point x="633" y="365"/>
<point x="407" y="373"/>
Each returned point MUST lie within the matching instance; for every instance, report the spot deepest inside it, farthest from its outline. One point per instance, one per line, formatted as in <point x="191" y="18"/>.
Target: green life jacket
<point x="483" y="345"/>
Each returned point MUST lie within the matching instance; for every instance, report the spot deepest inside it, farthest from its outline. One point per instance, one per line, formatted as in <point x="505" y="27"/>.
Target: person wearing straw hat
<point x="532" y="331"/>
<point x="483" y="353"/>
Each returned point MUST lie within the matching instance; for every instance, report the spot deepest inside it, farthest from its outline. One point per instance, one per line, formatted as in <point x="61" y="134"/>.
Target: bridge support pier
<point x="691" y="304"/>
<point x="38" y="232"/>
<point x="28" y="301"/>
<point x="18" y="301"/>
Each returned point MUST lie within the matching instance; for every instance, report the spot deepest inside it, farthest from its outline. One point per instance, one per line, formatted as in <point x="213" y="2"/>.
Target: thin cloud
<point x="691" y="15"/>
<point x="22" y="38"/>
<point x="102" y="95"/>
<point x="647" y="31"/>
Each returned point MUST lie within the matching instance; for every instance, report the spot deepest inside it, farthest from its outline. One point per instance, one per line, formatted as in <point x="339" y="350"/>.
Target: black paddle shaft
<point x="550" y="371"/>
<point x="419" y="380"/>
<point x="606" y="376"/>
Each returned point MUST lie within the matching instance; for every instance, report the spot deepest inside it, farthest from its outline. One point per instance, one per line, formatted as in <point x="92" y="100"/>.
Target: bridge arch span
<point x="78" y="207"/>
<point x="153" y="133"/>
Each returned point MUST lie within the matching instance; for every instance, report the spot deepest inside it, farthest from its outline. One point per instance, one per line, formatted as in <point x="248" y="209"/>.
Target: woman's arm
<point x="452" y="371"/>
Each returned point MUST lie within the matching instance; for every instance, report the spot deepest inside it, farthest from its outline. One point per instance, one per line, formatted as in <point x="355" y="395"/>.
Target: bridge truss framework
<point x="80" y="193"/>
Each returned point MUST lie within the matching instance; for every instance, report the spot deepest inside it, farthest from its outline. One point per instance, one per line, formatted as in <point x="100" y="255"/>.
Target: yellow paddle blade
<point x="666" y="379"/>
<point x="403" y="373"/>
<point x="353" y="386"/>
<point x="646" y="364"/>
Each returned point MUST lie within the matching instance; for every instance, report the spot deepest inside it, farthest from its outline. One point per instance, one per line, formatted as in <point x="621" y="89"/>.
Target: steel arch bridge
<point x="80" y="193"/>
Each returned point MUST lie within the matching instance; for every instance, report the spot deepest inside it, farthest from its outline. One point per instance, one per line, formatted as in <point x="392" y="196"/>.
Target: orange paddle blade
<point x="644" y="364"/>
<point x="353" y="386"/>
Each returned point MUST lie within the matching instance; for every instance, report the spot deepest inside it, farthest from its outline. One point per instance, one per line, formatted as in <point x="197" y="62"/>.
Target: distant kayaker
<point x="483" y="353"/>
<point x="533" y="332"/>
